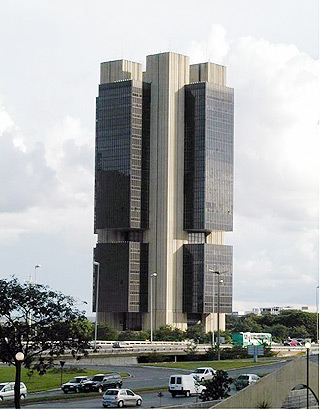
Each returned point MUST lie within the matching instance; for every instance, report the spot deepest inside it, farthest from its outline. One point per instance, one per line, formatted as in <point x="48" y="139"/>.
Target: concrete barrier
<point x="274" y="388"/>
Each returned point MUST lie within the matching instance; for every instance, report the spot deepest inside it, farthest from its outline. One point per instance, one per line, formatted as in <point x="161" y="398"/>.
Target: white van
<point x="184" y="384"/>
<point x="7" y="390"/>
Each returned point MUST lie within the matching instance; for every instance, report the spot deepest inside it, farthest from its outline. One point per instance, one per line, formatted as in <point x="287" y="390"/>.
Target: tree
<point x="168" y="334"/>
<point x="198" y="334"/>
<point x="218" y="387"/>
<point x="105" y="332"/>
<point x="40" y="323"/>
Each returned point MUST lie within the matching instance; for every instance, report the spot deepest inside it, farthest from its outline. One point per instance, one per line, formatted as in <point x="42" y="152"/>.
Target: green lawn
<point x="50" y="380"/>
<point x="217" y="365"/>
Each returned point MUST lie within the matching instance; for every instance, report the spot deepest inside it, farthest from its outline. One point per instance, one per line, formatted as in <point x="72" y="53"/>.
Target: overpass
<point x="129" y="351"/>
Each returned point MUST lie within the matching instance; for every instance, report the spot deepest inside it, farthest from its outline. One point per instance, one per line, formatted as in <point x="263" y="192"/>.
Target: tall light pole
<point x="213" y="290"/>
<point x="154" y="275"/>
<point x="97" y="302"/>
<point x="307" y="346"/>
<point x="218" y="310"/>
<point x="35" y="272"/>
<point x="317" y="307"/>
<point x="218" y="343"/>
<point x="19" y="358"/>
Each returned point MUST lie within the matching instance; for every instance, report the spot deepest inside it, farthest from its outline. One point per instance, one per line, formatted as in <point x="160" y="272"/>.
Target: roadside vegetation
<point x="48" y="381"/>
<point x="289" y="323"/>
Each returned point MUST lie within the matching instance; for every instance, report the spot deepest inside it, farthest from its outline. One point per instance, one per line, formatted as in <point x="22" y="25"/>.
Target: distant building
<point x="163" y="192"/>
<point x="275" y="310"/>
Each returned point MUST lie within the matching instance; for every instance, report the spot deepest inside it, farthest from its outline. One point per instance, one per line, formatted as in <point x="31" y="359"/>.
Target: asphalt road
<point x="146" y="376"/>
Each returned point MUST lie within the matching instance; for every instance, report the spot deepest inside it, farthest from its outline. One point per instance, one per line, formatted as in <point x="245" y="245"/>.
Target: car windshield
<point x="111" y="392"/>
<point x="199" y="371"/>
<point x="2" y="385"/>
<point x="97" y="378"/>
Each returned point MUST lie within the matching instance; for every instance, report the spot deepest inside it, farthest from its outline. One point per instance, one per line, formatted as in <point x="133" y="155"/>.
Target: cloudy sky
<point x="50" y="58"/>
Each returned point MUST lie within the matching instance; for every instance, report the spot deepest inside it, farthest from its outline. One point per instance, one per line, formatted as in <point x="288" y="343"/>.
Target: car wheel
<point x="100" y="389"/>
<point x="77" y="390"/>
<point x="118" y="385"/>
<point x="120" y="404"/>
<point x="139" y="402"/>
<point x="65" y="391"/>
<point x="1" y="398"/>
<point x="187" y="393"/>
<point x="22" y="396"/>
<point x="105" y="406"/>
<point x="173" y="394"/>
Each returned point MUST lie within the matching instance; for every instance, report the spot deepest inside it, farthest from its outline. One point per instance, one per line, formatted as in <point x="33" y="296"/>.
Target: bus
<point x="245" y="339"/>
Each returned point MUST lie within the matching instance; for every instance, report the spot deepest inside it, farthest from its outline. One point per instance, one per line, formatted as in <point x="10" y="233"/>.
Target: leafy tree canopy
<point x="218" y="387"/>
<point x="40" y="323"/>
<point x="168" y="333"/>
<point x="289" y="323"/>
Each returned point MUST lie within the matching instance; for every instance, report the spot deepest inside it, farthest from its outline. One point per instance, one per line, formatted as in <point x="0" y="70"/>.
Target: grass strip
<point x="50" y="380"/>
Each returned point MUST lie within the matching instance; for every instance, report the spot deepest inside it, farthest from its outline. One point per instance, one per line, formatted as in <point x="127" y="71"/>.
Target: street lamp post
<point x="35" y="272"/>
<point x="154" y="275"/>
<point x="307" y="346"/>
<point x="213" y="290"/>
<point x="218" y="310"/>
<point x="97" y="302"/>
<point x="317" y="307"/>
<point x="218" y="313"/>
<point x="19" y="358"/>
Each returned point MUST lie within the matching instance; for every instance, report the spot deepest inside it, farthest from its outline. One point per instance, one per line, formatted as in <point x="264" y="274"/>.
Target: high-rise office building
<point x="163" y="193"/>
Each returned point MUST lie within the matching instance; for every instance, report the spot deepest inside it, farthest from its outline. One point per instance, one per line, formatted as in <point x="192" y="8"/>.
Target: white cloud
<point x="46" y="186"/>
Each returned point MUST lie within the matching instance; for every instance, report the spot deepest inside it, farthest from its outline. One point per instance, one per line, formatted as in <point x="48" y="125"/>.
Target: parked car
<point x="184" y="384"/>
<point x="290" y="342"/>
<point x="243" y="380"/>
<point x="101" y="382"/>
<point x="7" y="390"/>
<point x="203" y="373"/>
<point x="74" y="385"/>
<point x="120" y="398"/>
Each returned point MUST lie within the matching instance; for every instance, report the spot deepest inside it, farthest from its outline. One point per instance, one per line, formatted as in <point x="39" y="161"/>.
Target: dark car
<point x="101" y="382"/>
<point x="74" y="385"/>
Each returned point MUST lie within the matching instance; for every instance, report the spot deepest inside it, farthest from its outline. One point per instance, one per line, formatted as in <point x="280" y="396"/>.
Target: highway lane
<point x="150" y="400"/>
<point x="147" y="376"/>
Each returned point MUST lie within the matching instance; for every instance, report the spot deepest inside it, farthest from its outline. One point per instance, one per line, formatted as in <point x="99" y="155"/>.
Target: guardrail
<point x="171" y="348"/>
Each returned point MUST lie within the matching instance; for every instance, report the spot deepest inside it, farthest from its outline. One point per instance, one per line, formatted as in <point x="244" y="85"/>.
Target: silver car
<point x="7" y="390"/>
<point x="120" y="398"/>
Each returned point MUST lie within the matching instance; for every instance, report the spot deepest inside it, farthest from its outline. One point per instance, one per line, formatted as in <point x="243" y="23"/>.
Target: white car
<point x="7" y="390"/>
<point x="120" y="398"/>
<point x="203" y="373"/>
<point x="184" y="384"/>
<point x="243" y="380"/>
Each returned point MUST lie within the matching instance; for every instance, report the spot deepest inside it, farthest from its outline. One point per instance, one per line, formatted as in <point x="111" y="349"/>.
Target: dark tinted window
<point x="111" y="392"/>
<point x="97" y="378"/>
<point x="178" y="380"/>
<point x="172" y="380"/>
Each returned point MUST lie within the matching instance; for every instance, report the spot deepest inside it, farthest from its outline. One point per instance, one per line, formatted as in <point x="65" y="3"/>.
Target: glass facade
<point x="208" y="171"/>
<point x="200" y="285"/>
<point x="123" y="284"/>
<point x="120" y="170"/>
